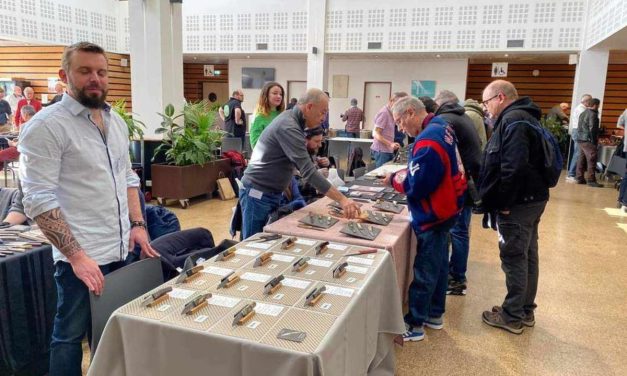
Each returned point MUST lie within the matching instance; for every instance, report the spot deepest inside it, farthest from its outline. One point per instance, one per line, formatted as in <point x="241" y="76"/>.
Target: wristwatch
<point x="138" y="224"/>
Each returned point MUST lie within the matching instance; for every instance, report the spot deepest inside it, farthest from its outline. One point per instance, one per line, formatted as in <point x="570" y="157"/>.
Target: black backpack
<point x="553" y="160"/>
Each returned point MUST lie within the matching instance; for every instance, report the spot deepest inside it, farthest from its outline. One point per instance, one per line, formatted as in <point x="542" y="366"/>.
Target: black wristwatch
<point x="138" y="224"/>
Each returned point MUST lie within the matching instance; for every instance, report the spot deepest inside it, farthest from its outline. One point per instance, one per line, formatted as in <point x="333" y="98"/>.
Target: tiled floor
<point x="580" y="321"/>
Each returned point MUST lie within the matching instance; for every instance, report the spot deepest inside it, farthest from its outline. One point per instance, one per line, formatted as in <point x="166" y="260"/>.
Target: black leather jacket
<point x="511" y="173"/>
<point x="588" y="127"/>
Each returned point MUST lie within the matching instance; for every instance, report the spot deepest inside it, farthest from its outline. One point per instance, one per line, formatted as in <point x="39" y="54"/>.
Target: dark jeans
<point x="427" y="292"/>
<point x="587" y="155"/>
<point x="381" y="158"/>
<point x="518" y="246"/>
<point x="622" y="195"/>
<point x="256" y="209"/>
<point x="460" y="245"/>
<point x="73" y="319"/>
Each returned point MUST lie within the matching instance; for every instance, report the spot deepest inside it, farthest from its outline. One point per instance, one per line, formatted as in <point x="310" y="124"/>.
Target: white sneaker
<point x="571" y="179"/>
<point x="623" y="209"/>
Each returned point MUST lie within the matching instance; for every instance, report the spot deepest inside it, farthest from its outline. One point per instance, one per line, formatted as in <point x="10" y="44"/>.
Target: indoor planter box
<point x="184" y="182"/>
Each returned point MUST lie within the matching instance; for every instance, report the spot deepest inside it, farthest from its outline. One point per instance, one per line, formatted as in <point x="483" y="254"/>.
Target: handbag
<point x="225" y="189"/>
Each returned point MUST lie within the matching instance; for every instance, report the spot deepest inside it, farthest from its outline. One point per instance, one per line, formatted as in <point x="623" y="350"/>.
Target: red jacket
<point x="23" y="102"/>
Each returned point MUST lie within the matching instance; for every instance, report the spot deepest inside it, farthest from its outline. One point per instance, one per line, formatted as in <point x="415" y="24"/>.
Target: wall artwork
<point x="255" y="78"/>
<point x="499" y="69"/>
<point x="423" y="88"/>
<point x="340" y="86"/>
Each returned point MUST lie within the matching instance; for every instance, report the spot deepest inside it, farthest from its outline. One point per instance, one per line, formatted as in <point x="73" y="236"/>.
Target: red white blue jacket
<point x="434" y="180"/>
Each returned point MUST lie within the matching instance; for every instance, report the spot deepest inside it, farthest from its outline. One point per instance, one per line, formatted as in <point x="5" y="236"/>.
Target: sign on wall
<point x="499" y="69"/>
<point x="423" y="88"/>
<point x="340" y="86"/>
<point x="209" y="70"/>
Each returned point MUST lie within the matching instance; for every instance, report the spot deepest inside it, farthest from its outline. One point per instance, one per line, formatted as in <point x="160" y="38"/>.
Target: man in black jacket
<point x="511" y="184"/>
<point x="469" y="146"/>
<point x="587" y="138"/>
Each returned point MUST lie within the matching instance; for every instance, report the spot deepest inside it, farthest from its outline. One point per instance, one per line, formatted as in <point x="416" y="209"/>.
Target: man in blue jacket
<point x="434" y="183"/>
<point x="512" y="186"/>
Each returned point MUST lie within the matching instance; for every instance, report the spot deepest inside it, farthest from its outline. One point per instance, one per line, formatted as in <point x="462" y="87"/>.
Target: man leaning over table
<point x="434" y="183"/>
<point x="79" y="187"/>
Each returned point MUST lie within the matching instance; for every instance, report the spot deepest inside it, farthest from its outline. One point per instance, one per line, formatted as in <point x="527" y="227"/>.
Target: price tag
<point x="216" y="270"/>
<point x="325" y="306"/>
<point x="223" y="301"/>
<point x="305" y="242"/>
<point x="296" y="283"/>
<point x="268" y="309"/>
<point x="282" y="258"/>
<point x="360" y="260"/>
<point x="200" y="282"/>
<point x="247" y="252"/>
<point x="278" y="296"/>
<point x="263" y="246"/>
<point x="339" y="291"/>
<point x="357" y="269"/>
<point x="323" y="263"/>
<point x="201" y="318"/>
<point x="350" y="280"/>
<point x="337" y="247"/>
<point x="163" y="307"/>
<point x="242" y="288"/>
<point x="177" y="293"/>
<point x="310" y="272"/>
<point x="253" y="324"/>
<point x="256" y="277"/>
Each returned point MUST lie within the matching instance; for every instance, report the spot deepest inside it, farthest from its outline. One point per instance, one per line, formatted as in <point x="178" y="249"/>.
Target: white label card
<point x="242" y="288"/>
<point x="305" y="242"/>
<point x="297" y="250"/>
<point x="201" y="318"/>
<point x="223" y="301"/>
<point x="329" y="255"/>
<point x="360" y="260"/>
<point x="177" y="293"/>
<point x="268" y="309"/>
<point x="325" y="306"/>
<point x="259" y="245"/>
<point x="200" y="282"/>
<point x="296" y="283"/>
<point x="339" y="291"/>
<point x="282" y="258"/>
<point x="247" y="252"/>
<point x="256" y="277"/>
<point x="163" y="307"/>
<point x="216" y="270"/>
<point x="310" y="272"/>
<point x="338" y="247"/>
<point x="278" y="296"/>
<point x="350" y="280"/>
<point x="357" y="269"/>
<point x="323" y="263"/>
<point x="253" y="324"/>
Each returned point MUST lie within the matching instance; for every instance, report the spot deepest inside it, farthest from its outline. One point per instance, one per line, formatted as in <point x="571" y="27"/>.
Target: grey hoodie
<point x="475" y="113"/>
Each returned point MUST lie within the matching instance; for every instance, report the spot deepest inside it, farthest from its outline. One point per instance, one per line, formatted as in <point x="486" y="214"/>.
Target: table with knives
<point x="274" y="304"/>
<point x="28" y="300"/>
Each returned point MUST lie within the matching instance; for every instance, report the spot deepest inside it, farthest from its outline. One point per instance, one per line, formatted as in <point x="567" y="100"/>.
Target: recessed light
<point x="194" y="57"/>
<point x="506" y="55"/>
<point x="438" y="55"/>
<point x="248" y="57"/>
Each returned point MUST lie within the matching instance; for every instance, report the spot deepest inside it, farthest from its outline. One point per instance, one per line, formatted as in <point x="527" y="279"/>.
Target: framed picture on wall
<point x="422" y="88"/>
<point x="255" y="78"/>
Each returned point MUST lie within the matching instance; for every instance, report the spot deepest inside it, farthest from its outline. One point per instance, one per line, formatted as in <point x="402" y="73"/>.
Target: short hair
<point x="83" y="47"/>
<point x="585" y="98"/>
<point x="446" y="96"/>
<point x="402" y="105"/>
<point x="311" y="133"/>
<point x="429" y="103"/>
<point x="28" y="110"/>
<point x="595" y="102"/>
<point x="236" y="92"/>
<point x="398" y="95"/>
<point x="354" y="102"/>
<point x="294" y="100"/>
<point x="1" y="90"/>
<point x="312" y="95"/>
<point x="502" y="87"/>
<point x="28" y="88"/>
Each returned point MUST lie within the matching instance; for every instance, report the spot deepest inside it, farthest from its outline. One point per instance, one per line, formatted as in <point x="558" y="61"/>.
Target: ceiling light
<point x="506" y="55"/>
<point x="438" y="55"/>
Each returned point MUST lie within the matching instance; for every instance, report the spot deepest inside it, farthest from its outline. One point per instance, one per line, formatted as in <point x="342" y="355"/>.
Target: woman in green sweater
<point x="270" y="105"/>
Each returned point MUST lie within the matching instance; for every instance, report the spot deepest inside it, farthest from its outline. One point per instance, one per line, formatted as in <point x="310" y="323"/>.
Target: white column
<point x="317" y="63"/>
<point x="591" y="74"/>
<point x="156" y="59"/>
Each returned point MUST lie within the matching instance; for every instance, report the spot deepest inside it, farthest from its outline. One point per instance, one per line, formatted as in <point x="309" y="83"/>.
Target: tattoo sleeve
<point x="54" y="226"/>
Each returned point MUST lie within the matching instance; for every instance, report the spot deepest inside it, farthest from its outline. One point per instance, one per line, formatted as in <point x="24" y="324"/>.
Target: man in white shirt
<point x="13" y="99"/>
<point x="79" y="187"/>
<point x="572" y="130"/>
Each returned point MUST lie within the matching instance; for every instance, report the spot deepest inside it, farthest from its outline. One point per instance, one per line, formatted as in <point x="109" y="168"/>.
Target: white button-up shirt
<point x="65" y="162"/>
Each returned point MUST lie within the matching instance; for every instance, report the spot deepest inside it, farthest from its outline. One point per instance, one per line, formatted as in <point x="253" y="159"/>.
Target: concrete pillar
<point x="590" y="75"/>
<point x="156" y="47"/>
<point x="317" y="62"/>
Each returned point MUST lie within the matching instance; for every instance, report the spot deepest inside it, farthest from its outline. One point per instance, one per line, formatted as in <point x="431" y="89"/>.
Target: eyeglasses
<point x="400" y="119"/>
<point x="485" y="102"/>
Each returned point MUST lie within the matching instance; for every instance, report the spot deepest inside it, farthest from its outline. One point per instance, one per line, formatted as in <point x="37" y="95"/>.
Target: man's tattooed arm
<point x="54" y="226"/>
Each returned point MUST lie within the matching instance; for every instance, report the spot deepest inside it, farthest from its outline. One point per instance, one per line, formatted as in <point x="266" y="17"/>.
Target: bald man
<point x="512" y="186"/>
<point x="558" y="112"/>
<point x="29" y="100"/>
<point x="281" y="148"/>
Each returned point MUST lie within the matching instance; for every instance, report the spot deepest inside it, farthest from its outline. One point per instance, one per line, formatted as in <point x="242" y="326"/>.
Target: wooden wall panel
<point x="553" y="86"/>
<point x="37" y="63"/>
<point x="193" y="77"/>
<point x="615" y="97"/>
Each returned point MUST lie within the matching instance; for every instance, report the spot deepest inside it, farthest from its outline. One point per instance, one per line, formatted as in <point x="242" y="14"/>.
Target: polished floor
<point x="581" y="324"/>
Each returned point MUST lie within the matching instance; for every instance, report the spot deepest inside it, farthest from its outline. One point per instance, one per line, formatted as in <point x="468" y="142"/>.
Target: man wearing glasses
<point x="434" y="183"/>
<point x="512" y="186"/>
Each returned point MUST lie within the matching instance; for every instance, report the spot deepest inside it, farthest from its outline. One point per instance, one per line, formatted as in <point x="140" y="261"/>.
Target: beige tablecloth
<point x="397" y="237"/>
<point x="359" y="342"/>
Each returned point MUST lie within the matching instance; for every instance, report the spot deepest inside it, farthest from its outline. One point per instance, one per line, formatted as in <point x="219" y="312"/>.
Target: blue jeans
<point x="256" y="211"/>
<point x="622" y="195"/>
<point x="427" y="292"/>
<point x="572" y="167"/>
<point x="72" y="320"/>
<point x="460" y="244"/>
<point x="380" y="157"/>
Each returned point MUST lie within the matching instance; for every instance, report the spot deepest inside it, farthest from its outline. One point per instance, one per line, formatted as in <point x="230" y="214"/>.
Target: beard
<point x="90" y="100"/>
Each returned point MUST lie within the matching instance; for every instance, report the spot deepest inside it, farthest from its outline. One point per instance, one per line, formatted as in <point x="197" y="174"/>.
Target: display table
<point x="349" y="331"/>
<point x="340" y="148"/>
<point x="397" y="237"/>
<point x="605" y="153"/>
<point x="387" y="168"/>
<point x="28" y="300"/>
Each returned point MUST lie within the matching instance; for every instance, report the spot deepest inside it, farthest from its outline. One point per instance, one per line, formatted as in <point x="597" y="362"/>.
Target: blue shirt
<point x="65" y="162"/>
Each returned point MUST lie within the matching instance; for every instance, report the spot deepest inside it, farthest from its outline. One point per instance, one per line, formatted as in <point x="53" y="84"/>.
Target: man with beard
<point x="79" y="187"/>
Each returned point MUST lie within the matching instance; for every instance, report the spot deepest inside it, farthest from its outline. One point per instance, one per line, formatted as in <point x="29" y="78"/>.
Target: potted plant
<point x="135" y="130"/>
<point x="558" y="131"/>
<point x="191" y="148"/>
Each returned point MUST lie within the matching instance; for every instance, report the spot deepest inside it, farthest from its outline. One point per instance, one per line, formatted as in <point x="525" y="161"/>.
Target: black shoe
<point x="594" y="184"/>
<point x="456" y="287"/>
<point x="496" y="320"/>
<point x="528" y="321"/>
